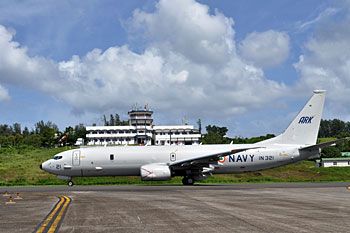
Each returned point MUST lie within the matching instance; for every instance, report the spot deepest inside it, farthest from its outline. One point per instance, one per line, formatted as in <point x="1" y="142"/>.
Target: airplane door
<point x="76" y="157"/>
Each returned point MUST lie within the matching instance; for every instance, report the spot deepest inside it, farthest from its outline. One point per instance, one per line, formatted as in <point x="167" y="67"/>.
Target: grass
<point x="322" y="140"/>
<point x="21" y="167"/>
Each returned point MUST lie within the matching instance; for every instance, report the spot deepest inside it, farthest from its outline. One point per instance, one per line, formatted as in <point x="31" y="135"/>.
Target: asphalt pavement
<point x="282" y="207"/>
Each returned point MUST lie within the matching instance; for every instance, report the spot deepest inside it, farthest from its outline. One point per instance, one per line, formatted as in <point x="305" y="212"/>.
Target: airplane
<point x="197" y="162"/>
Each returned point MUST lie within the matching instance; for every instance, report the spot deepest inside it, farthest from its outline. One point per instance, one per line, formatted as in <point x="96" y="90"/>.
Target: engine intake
<point x="155" y="172"/>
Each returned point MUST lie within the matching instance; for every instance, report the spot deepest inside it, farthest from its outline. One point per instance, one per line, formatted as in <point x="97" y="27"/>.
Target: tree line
<point x="47" y="134"/>
<point x="114" y="120"/>
<point x="334" y="129"/>
<point x="217" y="135"/>
<point x="44" y="134"/>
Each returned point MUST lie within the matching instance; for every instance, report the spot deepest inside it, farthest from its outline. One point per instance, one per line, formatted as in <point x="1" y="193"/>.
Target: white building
<point x="180" y="134"/>
<point x="333" y="162"/>
<point x="141" y="131"/>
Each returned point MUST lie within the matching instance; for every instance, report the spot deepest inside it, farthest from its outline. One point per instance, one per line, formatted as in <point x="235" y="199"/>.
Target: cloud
<point x="265" y="49"/>
<point x="326" y="64"/>
<point x="322" y="16"/>
<point x="186" y="27"/>
<point x="189" y="65"/>
<point x="17" y="68"/>
<point x="4" y="95"/>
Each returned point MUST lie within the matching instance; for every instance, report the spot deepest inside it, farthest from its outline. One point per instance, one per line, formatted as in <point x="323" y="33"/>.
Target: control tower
<point x="141" y="119"/>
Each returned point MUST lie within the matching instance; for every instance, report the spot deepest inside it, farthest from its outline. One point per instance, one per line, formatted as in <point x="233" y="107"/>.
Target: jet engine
<point x="155" y="172"/>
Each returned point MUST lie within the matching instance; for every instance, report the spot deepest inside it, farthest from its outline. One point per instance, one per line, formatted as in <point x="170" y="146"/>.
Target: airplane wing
<point x="207" y="159"/>
<point x="324" y="144"/>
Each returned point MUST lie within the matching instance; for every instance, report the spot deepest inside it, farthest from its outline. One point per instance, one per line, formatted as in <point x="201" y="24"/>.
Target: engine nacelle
<point x="155" y="172"/>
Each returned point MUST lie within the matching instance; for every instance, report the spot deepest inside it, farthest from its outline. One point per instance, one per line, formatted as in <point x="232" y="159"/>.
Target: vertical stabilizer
<point x="304" y="128"/>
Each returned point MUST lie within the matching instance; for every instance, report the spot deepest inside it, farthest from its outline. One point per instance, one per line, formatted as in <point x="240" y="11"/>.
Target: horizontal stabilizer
<point x="324" y="144"/>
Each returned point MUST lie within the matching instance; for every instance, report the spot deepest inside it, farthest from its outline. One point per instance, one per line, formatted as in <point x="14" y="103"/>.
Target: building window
<point x="111" y="156"/>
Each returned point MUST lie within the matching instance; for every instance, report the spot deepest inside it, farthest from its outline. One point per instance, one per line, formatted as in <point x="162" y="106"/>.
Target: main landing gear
<point x="188" y="180"/>
<point x="70" y="183"/>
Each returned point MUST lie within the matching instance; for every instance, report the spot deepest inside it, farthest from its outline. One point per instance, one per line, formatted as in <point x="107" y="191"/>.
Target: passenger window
<point x="111" y="156"/>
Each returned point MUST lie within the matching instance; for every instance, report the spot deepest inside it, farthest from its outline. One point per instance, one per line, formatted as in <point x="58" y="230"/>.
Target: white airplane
<point x="197" y="162"/>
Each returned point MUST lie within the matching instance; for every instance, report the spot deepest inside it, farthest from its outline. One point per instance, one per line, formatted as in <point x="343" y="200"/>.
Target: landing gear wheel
<point x="70" y="183"/>
<point x="188" y="181"/>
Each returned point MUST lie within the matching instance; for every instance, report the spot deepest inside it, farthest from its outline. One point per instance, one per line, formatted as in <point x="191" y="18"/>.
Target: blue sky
<point x="247" y="65"/>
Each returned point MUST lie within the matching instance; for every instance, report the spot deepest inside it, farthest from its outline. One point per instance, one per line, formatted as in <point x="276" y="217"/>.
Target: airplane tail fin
<point x="304" y="128"/>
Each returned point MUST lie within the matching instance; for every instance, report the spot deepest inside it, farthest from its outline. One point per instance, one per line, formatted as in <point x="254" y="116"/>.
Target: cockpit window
<point x="57" y="157"/>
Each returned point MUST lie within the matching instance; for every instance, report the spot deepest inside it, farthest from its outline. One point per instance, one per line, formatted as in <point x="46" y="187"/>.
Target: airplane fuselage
<point x="127" y="160"/>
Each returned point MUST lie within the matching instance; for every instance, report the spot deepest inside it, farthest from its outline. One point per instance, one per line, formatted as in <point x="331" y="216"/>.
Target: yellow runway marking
<point x="46" y="227"/>
<point x="59" y="216"/>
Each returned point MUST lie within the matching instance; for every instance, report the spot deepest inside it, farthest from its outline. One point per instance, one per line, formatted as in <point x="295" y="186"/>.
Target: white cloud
<point x="17" y="68"/>
<point x="265" y="49"/>
<point x="326" y="64"/>
<point x="323" y="15"/>
<point x="4" y="95"/>
<point x="190" y="65"/>
<point x="186" y="27"/>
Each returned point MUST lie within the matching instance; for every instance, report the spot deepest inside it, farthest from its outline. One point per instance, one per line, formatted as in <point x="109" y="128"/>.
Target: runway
<point x="287" y="207"/>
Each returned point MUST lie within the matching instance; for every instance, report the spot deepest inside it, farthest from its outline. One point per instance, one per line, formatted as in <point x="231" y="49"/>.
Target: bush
<point x="330" y="152"/>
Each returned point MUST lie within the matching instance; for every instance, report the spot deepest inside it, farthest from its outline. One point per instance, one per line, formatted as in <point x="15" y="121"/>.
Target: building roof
<point x="333" y="159"/>
<point x="141" y="111"/>
<point x="345" y="153"/>
<point x="172" y="127"/>
<point x="166" y="127"/>
<point x="110" y="127"/>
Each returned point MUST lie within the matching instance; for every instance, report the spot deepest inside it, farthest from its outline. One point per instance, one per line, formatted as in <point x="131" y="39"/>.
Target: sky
<point x="247" y="65"/>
